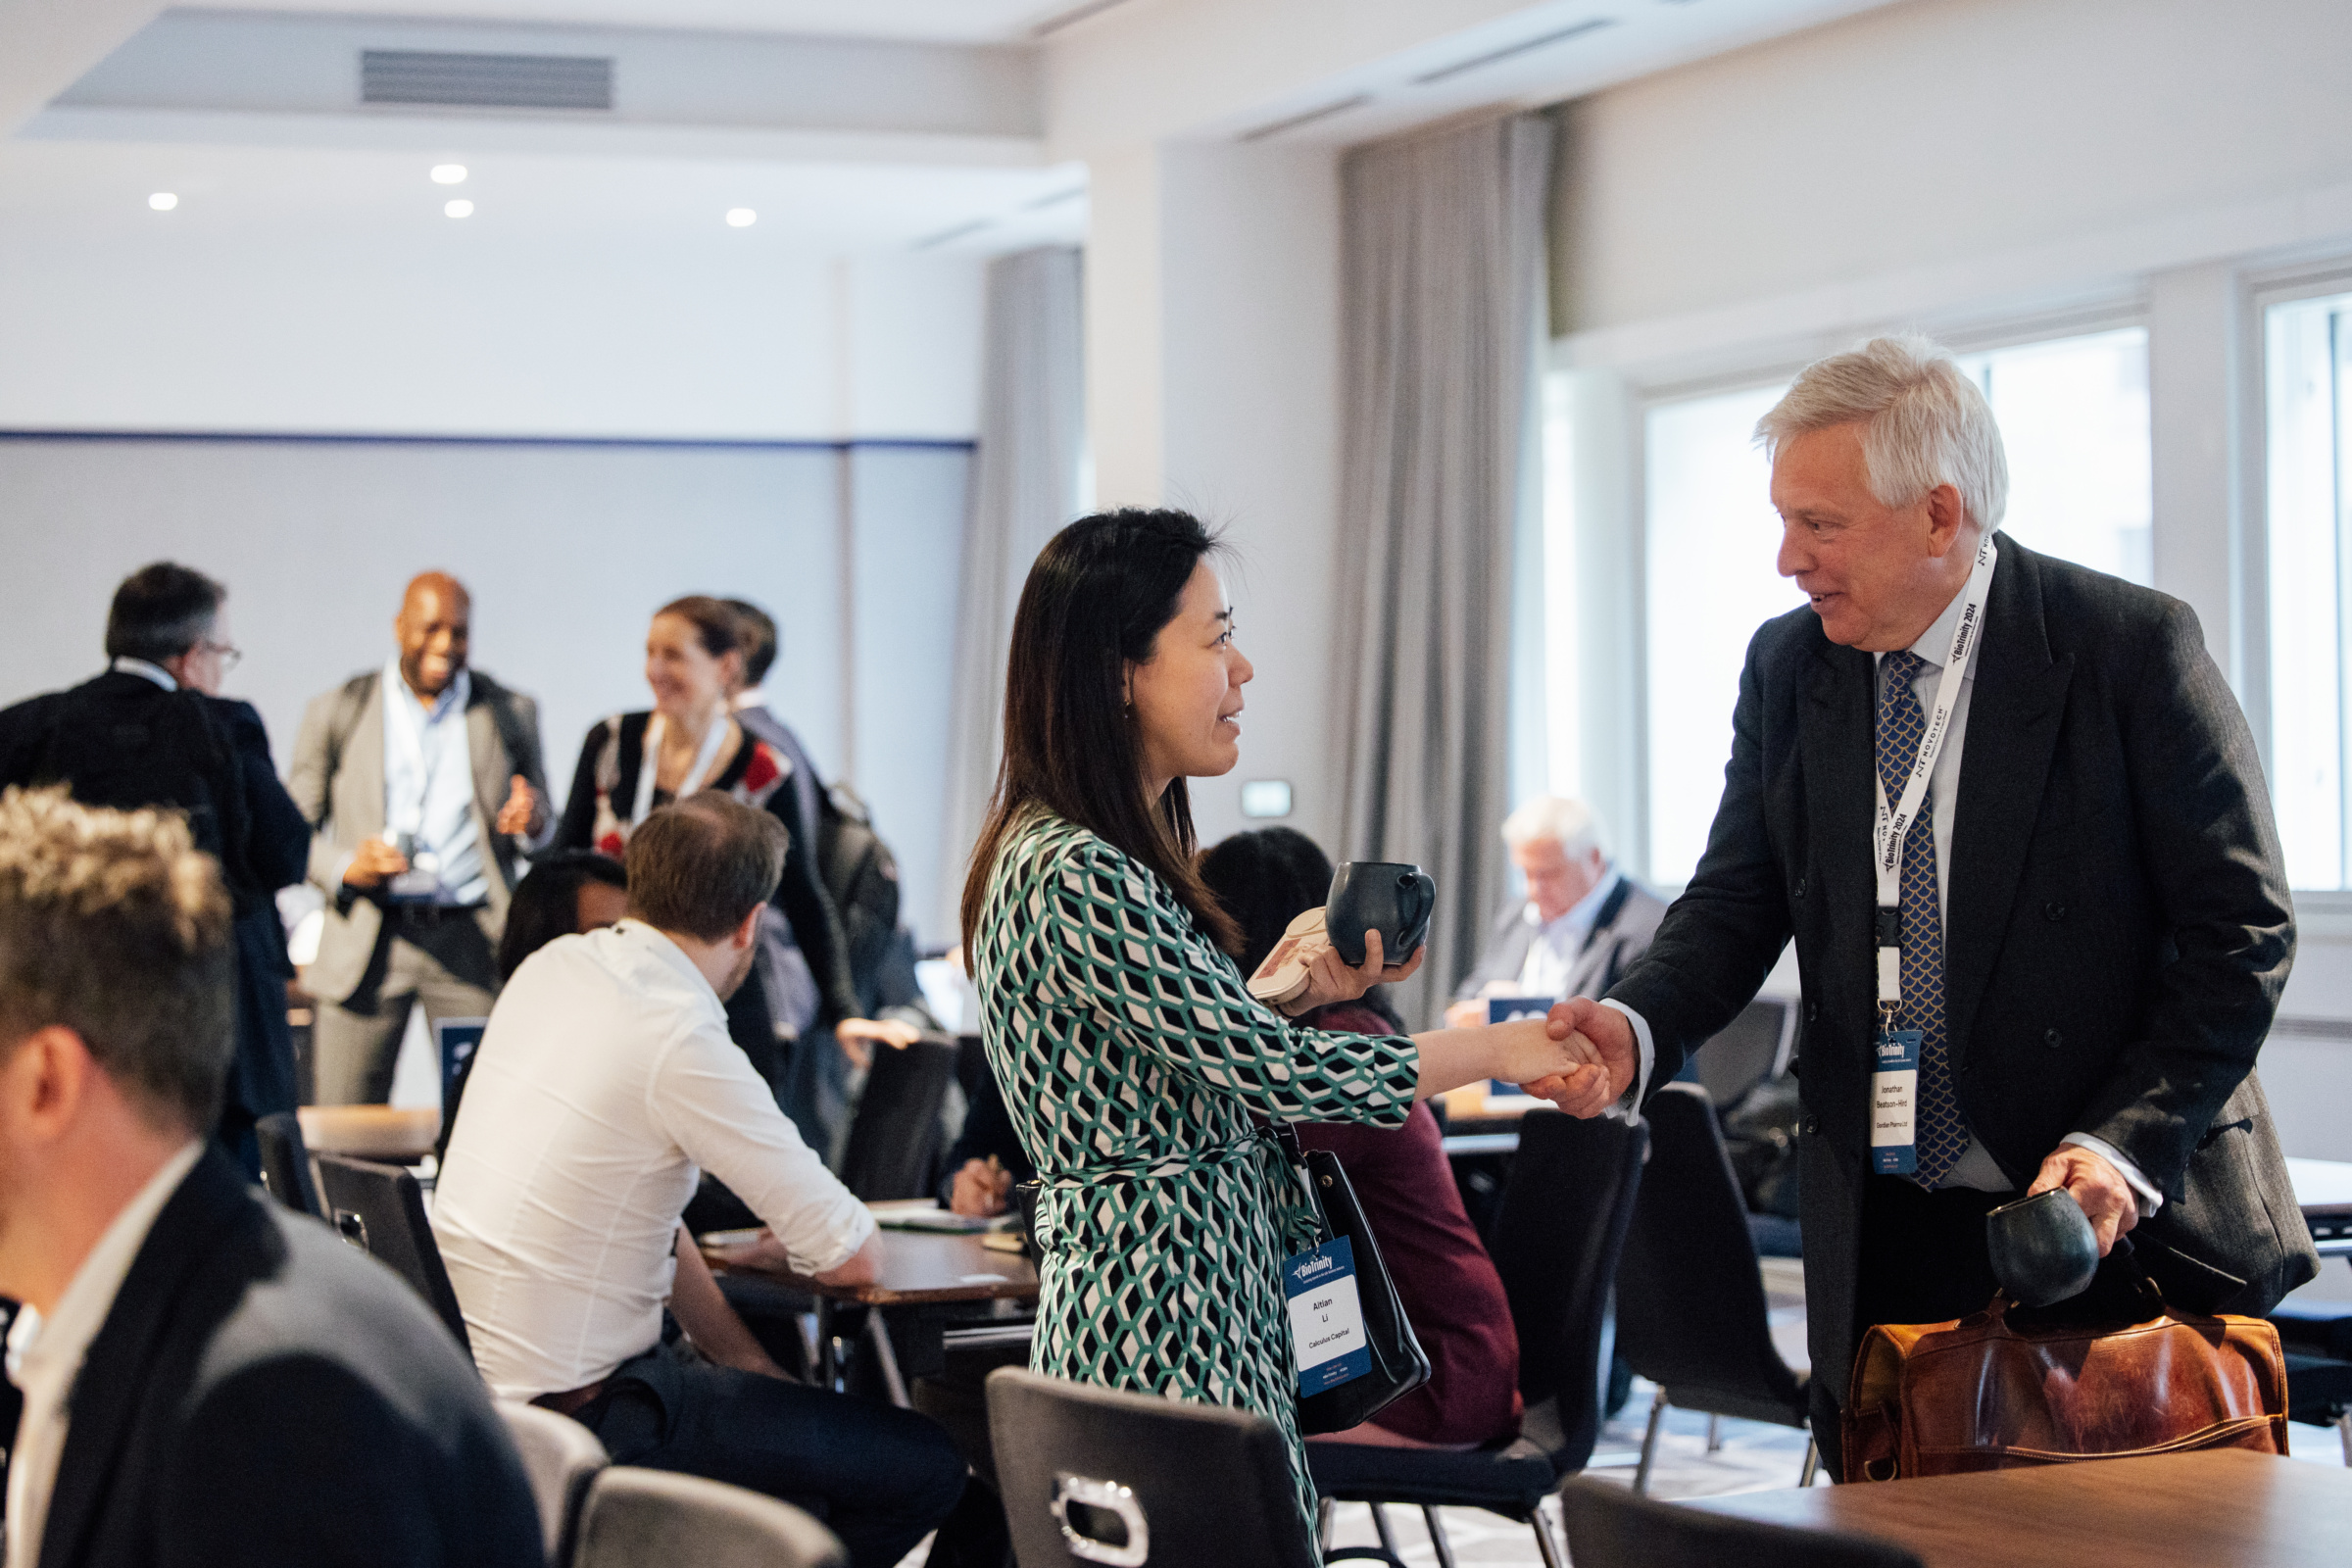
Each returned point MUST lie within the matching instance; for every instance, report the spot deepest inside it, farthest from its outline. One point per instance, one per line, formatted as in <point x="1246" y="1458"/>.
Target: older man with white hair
<point x="2011" y="817"/>
<point x="1582" y="924"/>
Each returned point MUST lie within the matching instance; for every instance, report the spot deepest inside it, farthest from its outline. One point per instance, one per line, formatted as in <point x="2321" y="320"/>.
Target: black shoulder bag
<point x="1398" y="1363"/>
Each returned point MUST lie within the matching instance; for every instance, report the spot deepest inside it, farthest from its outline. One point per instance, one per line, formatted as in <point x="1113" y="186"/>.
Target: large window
<point x="2309" y="368"/>
<point x="2074" y="416"/>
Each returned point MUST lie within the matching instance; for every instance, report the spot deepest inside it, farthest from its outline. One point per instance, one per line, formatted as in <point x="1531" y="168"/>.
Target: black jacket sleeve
<point x="816" y="922"/>
<point x="277" y="844"/>
<point x="576" y="829"/>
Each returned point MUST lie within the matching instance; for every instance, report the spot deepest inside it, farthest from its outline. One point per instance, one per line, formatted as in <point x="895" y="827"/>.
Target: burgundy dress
<point x="1451" y="1291"/>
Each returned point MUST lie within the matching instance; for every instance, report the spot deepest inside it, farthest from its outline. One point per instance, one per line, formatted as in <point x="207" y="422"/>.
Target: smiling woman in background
<point x="693" y="654"/>
<point x="1136" y="1065"/>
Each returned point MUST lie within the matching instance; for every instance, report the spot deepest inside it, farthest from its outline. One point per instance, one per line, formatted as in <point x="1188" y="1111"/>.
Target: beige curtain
<point x="1024" y="488"/>
<point x="1443" y="274"/>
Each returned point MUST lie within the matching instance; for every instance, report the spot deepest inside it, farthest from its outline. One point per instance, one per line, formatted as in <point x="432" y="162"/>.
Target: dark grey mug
<point x="1389" y="897"/>
<point x="2042" y="1247"/>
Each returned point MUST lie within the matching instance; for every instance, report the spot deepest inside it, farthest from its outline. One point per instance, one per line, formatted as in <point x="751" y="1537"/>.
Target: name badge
<point x="1327" y="1318"/>
<point x="1895" y="1103"/>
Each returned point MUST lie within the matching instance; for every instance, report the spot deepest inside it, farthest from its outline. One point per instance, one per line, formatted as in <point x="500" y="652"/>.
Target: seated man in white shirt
<point x="604" y="1084"/>
<point x="1583" y="924"/>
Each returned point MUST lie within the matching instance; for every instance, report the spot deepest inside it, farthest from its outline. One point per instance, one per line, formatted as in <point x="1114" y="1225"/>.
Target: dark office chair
<point x="894" y="1145"/>
<point x="1691" y="1306"/>
<point x="1609" y="1527"/>
<point x="1748" y="1049"/>
<point x="560" y="1457"/>
<point x="1102" y="1476"/>
<point x="656" y="1519"/>
<point x="286" y="1164"/>
<point x="1562" y="1221"/>
<point x="380" y="1209"/>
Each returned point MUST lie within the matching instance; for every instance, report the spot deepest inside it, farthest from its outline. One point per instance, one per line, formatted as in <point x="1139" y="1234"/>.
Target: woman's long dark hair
<point x="1094" y="602"/>
<point x="1266" y="879"/>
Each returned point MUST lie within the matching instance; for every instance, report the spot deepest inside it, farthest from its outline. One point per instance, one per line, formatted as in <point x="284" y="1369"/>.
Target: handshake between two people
<point x="1591" y="1063"/>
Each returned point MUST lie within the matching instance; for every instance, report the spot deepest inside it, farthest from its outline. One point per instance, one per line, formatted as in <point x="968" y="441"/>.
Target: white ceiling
<point x="941" y="21"/>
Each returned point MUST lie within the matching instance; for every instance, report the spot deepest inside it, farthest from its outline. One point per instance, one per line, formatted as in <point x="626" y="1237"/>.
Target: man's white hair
<point x="1924" y="422"/>
<point x="1572" y="825"/>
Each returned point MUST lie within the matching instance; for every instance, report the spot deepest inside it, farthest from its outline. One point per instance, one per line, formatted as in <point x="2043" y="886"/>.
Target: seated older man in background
<point x="604" y="1084"/>
<point x="207" y="1377"/>
<point x="1582" y="923"/>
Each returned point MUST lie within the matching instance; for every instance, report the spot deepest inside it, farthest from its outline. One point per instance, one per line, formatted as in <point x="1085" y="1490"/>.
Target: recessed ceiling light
<point x="741" y="217"/>
<point x="459" y="208"/>
<point x="163" y="201"/>
<point x="449" y="174"/>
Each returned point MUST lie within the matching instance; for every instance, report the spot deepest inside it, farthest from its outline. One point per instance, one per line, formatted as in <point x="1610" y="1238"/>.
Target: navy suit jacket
<point x="264" y="1393"/>
<point x="2119" y="926"/>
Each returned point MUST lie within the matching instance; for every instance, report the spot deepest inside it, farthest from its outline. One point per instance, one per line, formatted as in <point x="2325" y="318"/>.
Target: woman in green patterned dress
<point x="1138" y="1069"/>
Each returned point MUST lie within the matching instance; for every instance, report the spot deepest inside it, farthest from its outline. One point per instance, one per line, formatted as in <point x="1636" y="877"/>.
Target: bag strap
<point x="1286" y="1138"/>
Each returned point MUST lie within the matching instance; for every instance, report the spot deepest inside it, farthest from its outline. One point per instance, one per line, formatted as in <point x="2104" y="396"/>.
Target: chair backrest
<point x="380" y="1209"/>
<point x="561" y="1456"/>
<point x="1557" y="1233"/>
<point x="658" y="1519"/>
<point x="286" y="1164"/>
<point x="1092" y="1475"/>
<point x="893" y="1142"/>
<point x="1609" y="1527"/>
<point x="1690" y="1304"/>
<point x="1750" y="1049"/>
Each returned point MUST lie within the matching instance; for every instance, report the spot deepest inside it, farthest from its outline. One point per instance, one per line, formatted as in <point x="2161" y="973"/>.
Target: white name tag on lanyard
<point x="1326" y="1316"/>
<point x="1895" y="1074"/>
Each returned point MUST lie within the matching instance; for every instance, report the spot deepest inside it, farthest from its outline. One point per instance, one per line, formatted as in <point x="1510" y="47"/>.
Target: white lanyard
<point x="650" y="762"/>
<point x="1892" y="827"/>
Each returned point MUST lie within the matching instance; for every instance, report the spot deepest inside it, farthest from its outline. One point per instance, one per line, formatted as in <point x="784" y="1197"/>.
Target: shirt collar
<point x="124" y="664"/>
<point x="1584" y="911"/>
<point x="454" y="697"/>
<point x="1937" y="641"/>
<point x="749" y="697"/>
<point x="658" y="944"/>
<point x="40" y="1345"/>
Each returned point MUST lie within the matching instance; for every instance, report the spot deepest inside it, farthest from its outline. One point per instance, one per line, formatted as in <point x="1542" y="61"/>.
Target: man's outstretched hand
<point x="1588" y="1091"/>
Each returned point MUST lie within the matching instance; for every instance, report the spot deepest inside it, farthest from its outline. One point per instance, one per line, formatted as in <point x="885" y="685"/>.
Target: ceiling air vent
<point x="484" y="82"/>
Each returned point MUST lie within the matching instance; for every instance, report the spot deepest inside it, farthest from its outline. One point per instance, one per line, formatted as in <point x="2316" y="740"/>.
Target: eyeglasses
<point x="228" y="652"/>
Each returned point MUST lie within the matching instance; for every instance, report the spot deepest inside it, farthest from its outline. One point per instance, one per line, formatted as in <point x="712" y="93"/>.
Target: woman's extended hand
<point x="1529" y="1054"/>
<point x="1330" y="980"/>
<point x="855" y="1034"/>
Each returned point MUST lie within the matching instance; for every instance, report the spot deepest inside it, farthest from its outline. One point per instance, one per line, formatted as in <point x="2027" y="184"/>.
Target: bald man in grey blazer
<point x="422" y="784"/>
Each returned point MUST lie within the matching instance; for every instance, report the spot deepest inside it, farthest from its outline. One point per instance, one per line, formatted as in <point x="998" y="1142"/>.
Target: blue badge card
<point x="1895" y="1103"/>
<point x="1327" y="1318"/>
<point x="1509" y="1010"/>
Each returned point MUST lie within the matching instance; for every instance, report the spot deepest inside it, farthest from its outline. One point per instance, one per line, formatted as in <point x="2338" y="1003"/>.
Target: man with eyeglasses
<point x="155" y="730"/>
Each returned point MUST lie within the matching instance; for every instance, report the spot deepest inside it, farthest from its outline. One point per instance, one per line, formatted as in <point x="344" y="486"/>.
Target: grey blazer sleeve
<point x="310" y="781"/>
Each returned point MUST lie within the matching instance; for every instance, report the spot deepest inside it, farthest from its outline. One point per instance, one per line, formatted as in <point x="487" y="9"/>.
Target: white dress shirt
<point x="45" y="1354"/>
<point x="1555" y="951"/>
<point x="604" y="1084"/>
<point x="1976" y="1169"/>
<point x="124" y="664"/>
<point x="428" y="787"/>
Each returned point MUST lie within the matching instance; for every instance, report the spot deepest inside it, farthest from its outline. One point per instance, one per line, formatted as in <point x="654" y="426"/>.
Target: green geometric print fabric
<point x="1132" y="1057"/>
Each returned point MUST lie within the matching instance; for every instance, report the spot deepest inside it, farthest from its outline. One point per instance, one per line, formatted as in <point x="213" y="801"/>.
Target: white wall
<point x="458" y="330"/>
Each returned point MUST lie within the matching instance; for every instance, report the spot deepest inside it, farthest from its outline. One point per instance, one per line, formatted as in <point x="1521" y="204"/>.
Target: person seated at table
<point x="207" y="1376"/>
<point x="1448" y="1284"/>
<point x="565" y="894"/>
<point x="1582" y="924"/>
<point x="605" y="1082"/>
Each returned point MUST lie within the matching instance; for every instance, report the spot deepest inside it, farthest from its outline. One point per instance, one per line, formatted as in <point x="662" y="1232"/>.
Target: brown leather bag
<point x="1983" y="1394"/>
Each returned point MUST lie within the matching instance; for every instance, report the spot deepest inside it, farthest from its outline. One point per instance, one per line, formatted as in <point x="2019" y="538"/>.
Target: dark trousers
<point x="1923" y="1261"/>
<point x="880" y="1478"/>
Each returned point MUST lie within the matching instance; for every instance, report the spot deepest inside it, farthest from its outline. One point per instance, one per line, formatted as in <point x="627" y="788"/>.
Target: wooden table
<point x="400" y="1134"/>
<point x="2225" y="1508"/>
<point x="926" y="1283"/>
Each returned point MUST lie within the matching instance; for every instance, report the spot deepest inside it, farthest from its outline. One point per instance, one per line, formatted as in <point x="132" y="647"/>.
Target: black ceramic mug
<point x="1389" y="897"/>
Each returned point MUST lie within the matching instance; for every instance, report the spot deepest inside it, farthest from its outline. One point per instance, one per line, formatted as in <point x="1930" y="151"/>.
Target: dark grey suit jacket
<point x="1621" y="933"/>
<point x="263" y="1392"/>
<point x="2119" y="923"/>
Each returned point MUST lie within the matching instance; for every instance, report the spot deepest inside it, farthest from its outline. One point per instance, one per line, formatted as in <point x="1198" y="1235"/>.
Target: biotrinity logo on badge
<point x="1891" y="1048"/>
<point x="1320" y="1263"/>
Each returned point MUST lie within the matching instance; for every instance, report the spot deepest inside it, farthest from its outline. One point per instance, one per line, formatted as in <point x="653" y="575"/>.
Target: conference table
<point x="930" y="1290"/>
<point x="2199" y="1510"/>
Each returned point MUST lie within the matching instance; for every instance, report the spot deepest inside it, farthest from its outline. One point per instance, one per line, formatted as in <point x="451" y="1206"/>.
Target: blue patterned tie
<point x="1942" y="1133"/>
